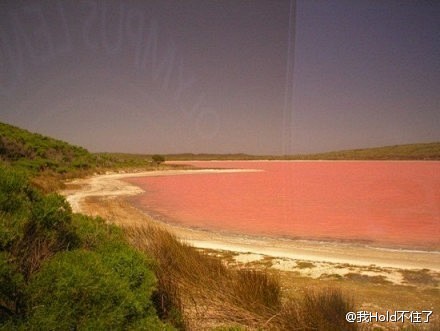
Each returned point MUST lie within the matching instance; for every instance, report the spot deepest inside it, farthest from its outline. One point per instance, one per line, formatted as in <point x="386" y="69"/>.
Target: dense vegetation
<point x="49" y="161"/>
<point x="34" y="152"/>
<point x="38" y="154"/>
<point x="59" y="270"/>
<point x="65" y="271"/>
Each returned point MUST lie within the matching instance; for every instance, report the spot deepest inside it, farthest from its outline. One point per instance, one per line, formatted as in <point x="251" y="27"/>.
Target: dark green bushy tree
<point x="158" y="159"/>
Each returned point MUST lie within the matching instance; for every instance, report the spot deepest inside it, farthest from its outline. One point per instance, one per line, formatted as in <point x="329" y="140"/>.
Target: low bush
<point x="83" y="290"/>
<point x="15" y="192"/>
<point x="47" y="231"/>
<point x="12" y="286"/>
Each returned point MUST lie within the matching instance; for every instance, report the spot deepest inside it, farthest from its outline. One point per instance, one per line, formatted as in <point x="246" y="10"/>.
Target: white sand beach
<point x="105" y="195"/>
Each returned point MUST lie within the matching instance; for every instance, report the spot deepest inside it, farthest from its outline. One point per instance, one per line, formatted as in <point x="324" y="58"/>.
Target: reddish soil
<point x="382" y="203"/>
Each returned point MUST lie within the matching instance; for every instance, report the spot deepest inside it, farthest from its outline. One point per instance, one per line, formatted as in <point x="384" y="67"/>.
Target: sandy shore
<point x="104" y="195"/>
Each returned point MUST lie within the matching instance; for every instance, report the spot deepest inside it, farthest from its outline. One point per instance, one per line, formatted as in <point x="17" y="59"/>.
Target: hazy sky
<point x="222" y="76"/>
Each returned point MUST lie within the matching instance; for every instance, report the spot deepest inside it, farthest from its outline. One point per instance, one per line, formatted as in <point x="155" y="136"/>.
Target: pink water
<point x="380" y="203"/>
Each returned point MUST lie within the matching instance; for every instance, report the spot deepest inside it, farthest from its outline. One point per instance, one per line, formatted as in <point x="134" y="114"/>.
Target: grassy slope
<point x="426" y="151"/>
<point x="49" y="161"/>
<point x="36" y="152"/>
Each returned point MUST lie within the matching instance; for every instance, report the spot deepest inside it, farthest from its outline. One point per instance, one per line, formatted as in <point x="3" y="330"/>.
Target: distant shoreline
<point x="416" y="151"/>
<point x="281" y="160"/>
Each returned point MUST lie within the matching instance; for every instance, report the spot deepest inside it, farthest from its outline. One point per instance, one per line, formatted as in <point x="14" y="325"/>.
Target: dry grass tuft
<point x="196" y="291"/>
<point x="319" y="310"/>
<point x="203" y="289"/>
<point x="325" y="310"/>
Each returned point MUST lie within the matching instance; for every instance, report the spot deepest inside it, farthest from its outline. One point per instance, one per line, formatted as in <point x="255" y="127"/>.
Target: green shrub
<point x="10" y="231"/>
<point x="33" y="227"/>
<point x="61" y="271"/>
<point x="81" y="290"/>
<point x="81" y="164"/>
<point x="131" y="266"/>
<point x="51" y="212"/>
<point x="93" y="232"/>
<point x="14" y="191"/>
<point x="16" y="199"/>
<point x="47" y="231"/>
<point x="12" y="286"/>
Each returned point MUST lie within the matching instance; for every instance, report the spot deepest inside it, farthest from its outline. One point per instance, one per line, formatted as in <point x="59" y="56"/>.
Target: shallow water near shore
<point x="376" y="203"/>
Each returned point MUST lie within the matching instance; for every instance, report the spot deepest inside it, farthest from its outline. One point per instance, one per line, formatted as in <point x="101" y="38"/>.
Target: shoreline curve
<point x="112" y="186"/>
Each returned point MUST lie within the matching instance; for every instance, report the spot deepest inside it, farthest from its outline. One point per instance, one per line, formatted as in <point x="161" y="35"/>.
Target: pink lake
<point x="382" y="203"/>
